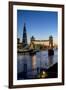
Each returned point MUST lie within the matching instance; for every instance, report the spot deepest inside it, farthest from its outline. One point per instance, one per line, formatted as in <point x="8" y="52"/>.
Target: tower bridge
<point x="35" y="45"/>
<point x="46" y="44"/>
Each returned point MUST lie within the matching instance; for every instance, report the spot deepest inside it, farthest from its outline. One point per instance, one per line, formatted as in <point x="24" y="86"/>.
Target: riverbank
<point x="53" y="71"/>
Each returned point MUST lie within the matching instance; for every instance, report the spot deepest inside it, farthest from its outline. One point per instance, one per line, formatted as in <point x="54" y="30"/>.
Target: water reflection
<point x="50" y="61"/>
<point x="29" y="67"/>
<point x="33" y="59"/>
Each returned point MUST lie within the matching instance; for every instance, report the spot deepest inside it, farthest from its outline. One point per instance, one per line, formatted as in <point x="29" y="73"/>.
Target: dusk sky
<point x="40" y="24"/>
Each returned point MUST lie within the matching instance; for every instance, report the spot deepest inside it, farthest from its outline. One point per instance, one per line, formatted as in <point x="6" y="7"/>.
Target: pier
<point x="29" y="51"/>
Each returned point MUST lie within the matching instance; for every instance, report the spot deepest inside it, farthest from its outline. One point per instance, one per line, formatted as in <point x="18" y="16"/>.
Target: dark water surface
<point x="29" y="66"/>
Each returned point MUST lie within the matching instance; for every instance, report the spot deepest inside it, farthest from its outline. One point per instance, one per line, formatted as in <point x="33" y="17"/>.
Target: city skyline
<point x="40" y="24"/>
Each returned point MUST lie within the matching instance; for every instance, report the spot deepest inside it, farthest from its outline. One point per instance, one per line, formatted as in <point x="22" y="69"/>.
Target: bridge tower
<point x="32" y="46"/>
<point x="24" y="39"/>
<point x="51" y="42"/>
<point x="50" y="50"/>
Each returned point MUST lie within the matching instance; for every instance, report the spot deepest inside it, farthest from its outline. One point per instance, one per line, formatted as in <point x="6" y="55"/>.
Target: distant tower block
<point x="18" y="40"/>
<point x="24" y="40"/>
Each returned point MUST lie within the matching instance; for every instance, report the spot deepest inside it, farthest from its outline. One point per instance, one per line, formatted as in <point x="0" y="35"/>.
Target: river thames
<point x="28" y="66"/>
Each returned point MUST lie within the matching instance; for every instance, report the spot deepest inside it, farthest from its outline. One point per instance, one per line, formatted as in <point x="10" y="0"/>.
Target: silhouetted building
<point x="19" y="44"/>
<point x="24" y="39"/>
<point x="18" y="40"/>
